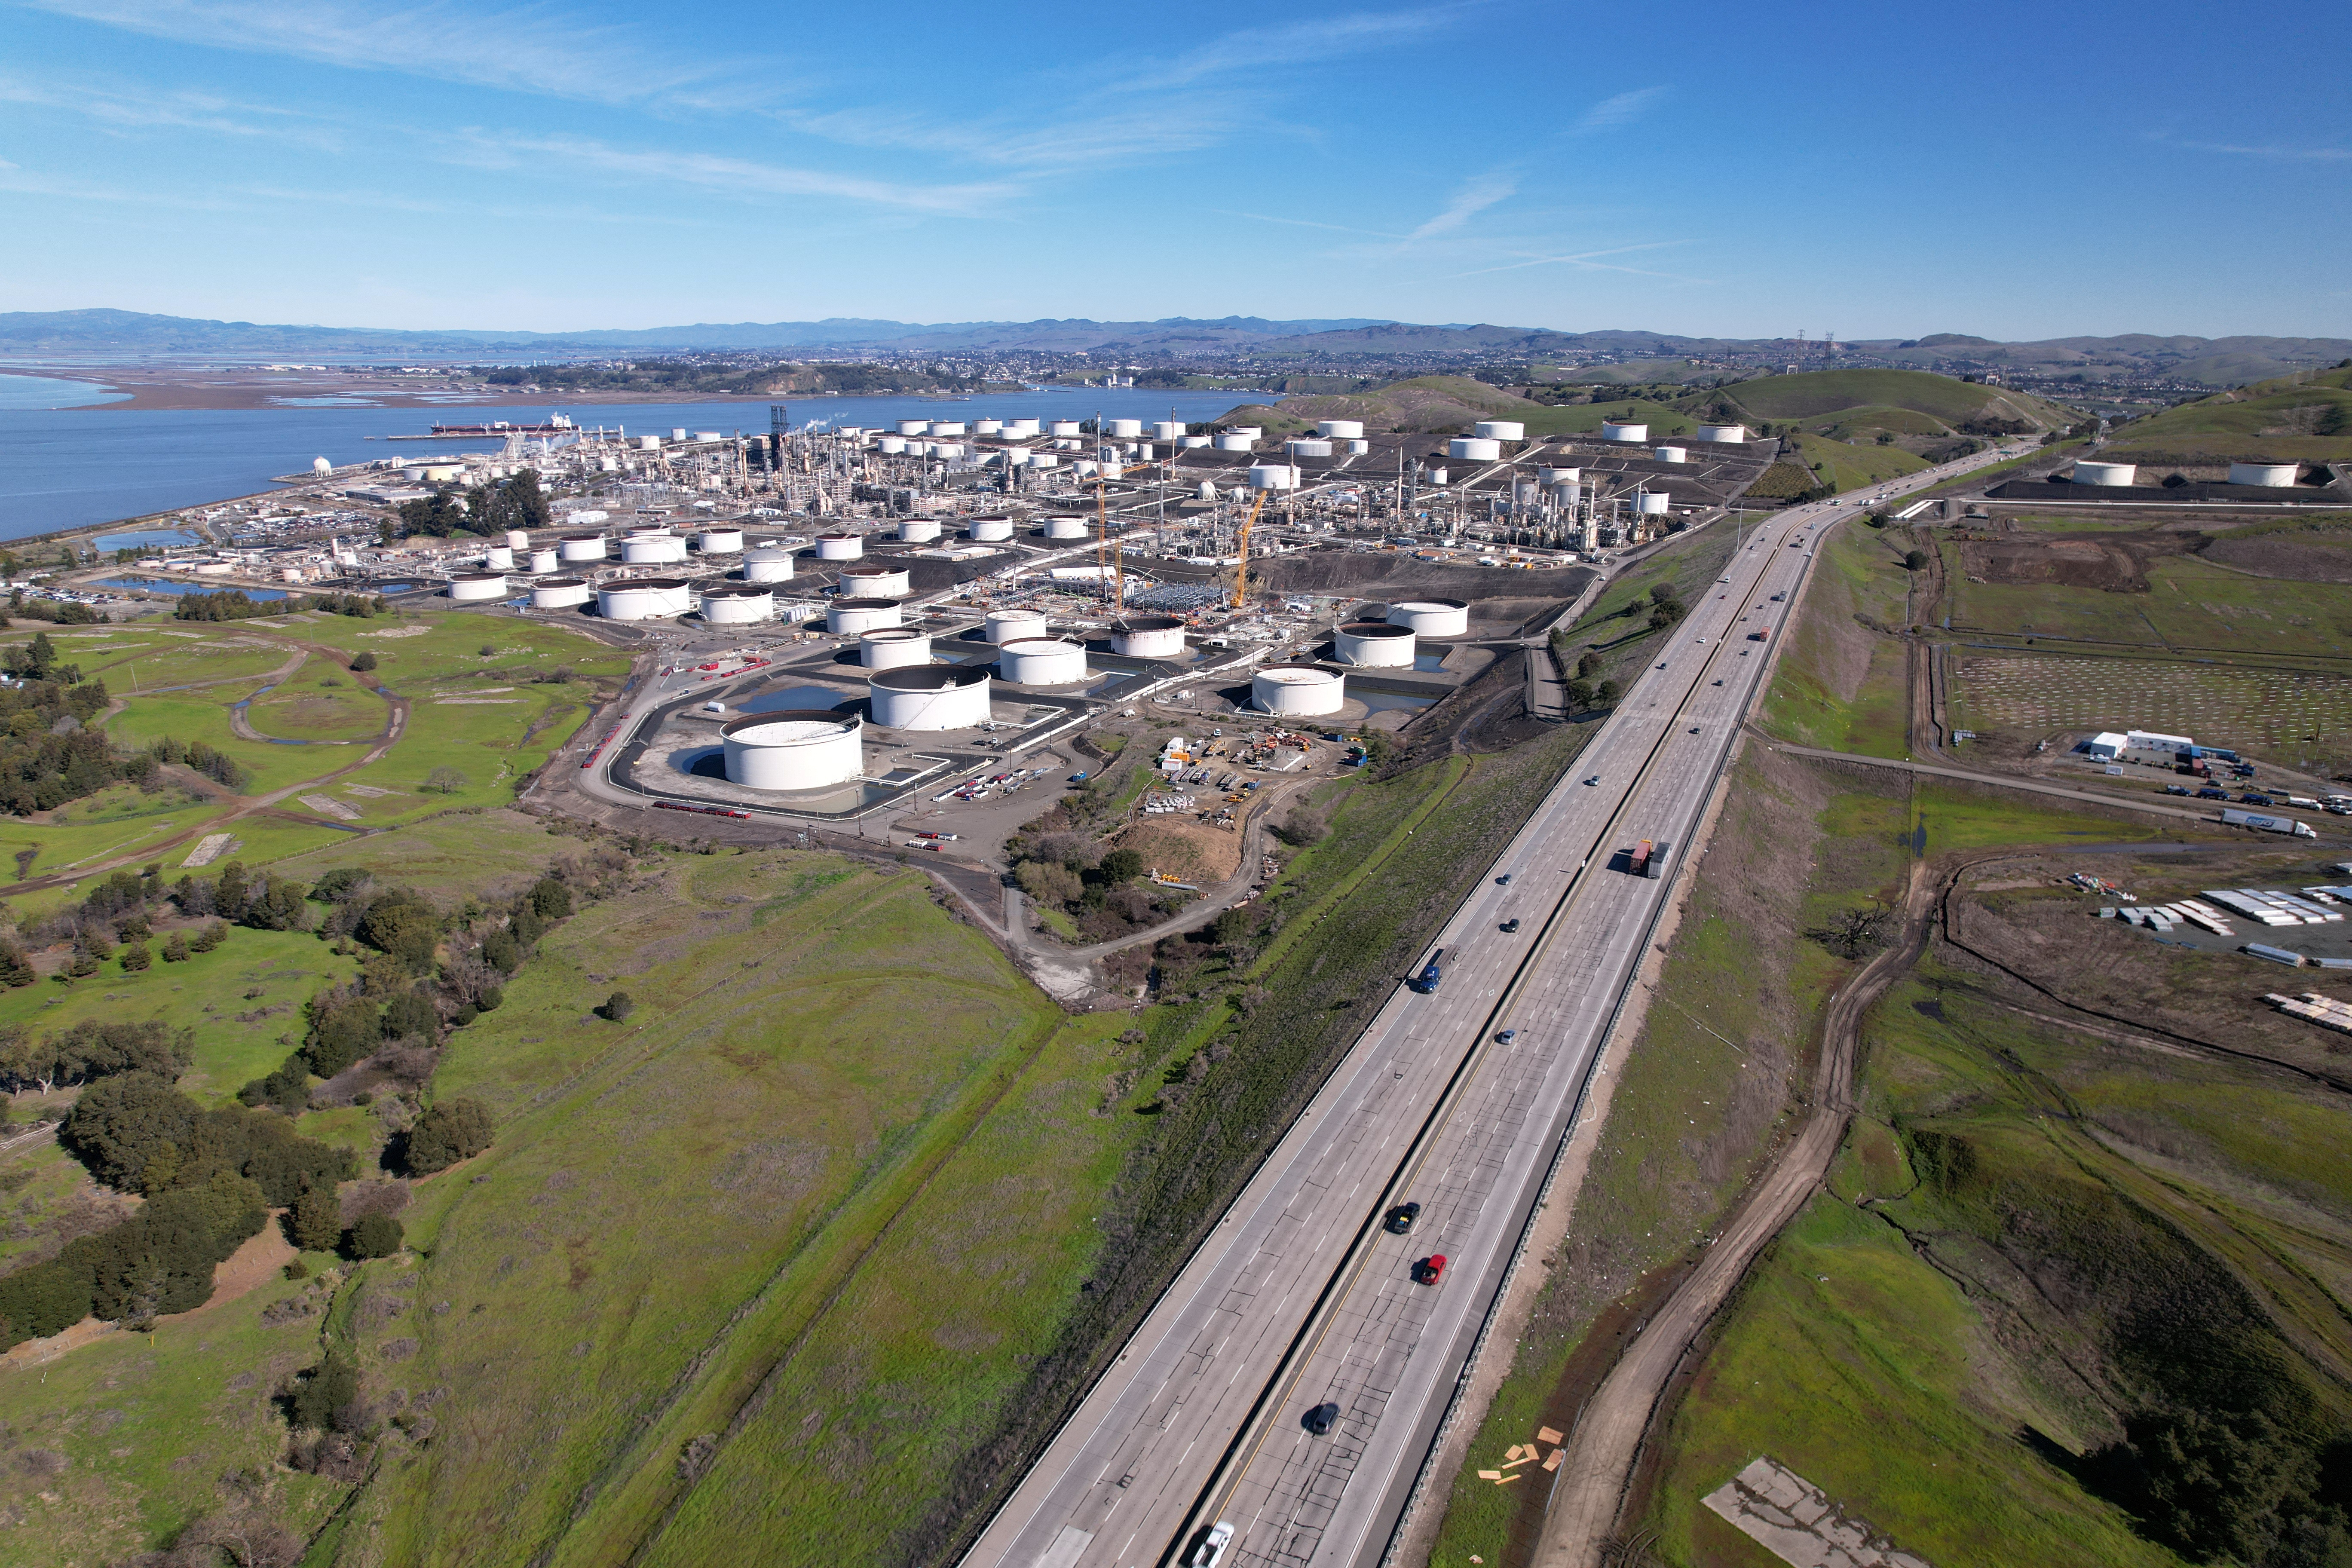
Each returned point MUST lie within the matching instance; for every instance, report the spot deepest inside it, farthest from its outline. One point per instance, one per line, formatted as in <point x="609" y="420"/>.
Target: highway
<point x="1300" y="1296"/>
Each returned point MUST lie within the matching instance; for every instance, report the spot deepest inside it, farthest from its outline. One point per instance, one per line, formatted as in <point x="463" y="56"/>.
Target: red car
<point x="1430" y="1270"/>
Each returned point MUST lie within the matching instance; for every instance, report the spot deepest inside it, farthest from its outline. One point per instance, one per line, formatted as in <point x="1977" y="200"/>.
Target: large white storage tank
<point x="1303" y="447"/>
<point x="1148" y="636"/>
<point x="1728" y="434"/>
<point x="2271" y="476"/>
<point x="497" y="558"/>
<point x="1674" y="454"/>
<point x="1066" y="526"/>
<point x="1341" y="429"/>
<point x="1376" y="644"/>
<point x="917" y="530"/>
<point x="853" y="615"/>
<point x="1474" y="448"/>
<point x="1432" y="617"/>
<point x="653" y="550"/>
<point x="643" y="598"/>
<point x="914" y="426"/>
<point x="990" y="530"/>
<point x="559" y="594"/>
<point x="1014" y="428"/>
<point x="1167" y="430"/>
<point x="876" y="582"/>
<point x="928" y="697"/>
<point x="1549" y="477"/>
<point x="947" y="426"/>
<point x="2089" y="473"/>
<point x="1632" y="432"/>
<point x="893" y="647"/>
<point x="722" y="542"/>
<point x="840" y="546"/>
<point x="738" y="605"/>
<point x="479" y="586"/>
<point x="1126" y="429"/>
<point x="1297" y="690"/>
<point x="767" y="565"/>
<point x="1066" y="430"/>
<point x="1042" y="661"/>
<point x="1500" y="430"/>
<point x="1012" y="625"/>
<point x="797" y="747"/>
<point x="1235" y="441"/>
<point x="891" y="445"/>
<point x="518" y="540"/>
<point x="575" y="547"/>
<point x="1650" y="503"/>
<point x="1273" y="476"/>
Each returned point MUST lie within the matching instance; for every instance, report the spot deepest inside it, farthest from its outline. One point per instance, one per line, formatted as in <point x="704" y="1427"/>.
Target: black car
<point x="1322" y="1418"/>
<point x="2254" y="797"/>
<point x="2212" y="794"/>
<point x="1511" y="925"/>
<point x="2176" y="789"/>
<point x="1400" y="1218"/>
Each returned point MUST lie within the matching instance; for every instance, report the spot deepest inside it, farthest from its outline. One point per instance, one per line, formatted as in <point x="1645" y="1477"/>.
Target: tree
<point x="1915" y="560"/>
<point x="1606" y="693"/>
<point x="1122" y="866"/>
<point x="451" y="1131"/>
<point x="315" y="1222"/>
<point x="135" y="957"/>
<point x="324" y="1390"/>
<point x="375" y="1235"/>
<point x="551" y="899"/>
<point x="618" y="1006"/>
<point x="444" y="779"/>
<point x="127" y="1129"/>
<point x="175" y="948"/>
<point x="362" y="662"/>
<point x="410" y="1015"/>
<point x="401" y="922"/>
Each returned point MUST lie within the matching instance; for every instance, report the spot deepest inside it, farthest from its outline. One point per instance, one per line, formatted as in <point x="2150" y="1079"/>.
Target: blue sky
<point x="2014" y="170"/>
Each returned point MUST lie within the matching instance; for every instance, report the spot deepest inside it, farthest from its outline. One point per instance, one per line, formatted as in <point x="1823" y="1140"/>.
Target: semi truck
<point x="2267" y="823"/>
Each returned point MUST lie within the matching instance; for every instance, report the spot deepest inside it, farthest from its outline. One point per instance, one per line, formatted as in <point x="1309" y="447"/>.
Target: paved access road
<point x="1299" y="1297"/>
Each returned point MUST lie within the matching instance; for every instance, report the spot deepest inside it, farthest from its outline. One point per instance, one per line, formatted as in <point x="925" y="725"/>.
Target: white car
<point x="1212" y="1550"/>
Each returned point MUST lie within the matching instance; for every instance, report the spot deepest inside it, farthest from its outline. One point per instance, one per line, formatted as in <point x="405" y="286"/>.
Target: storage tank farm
<point x="852" y="615"/>
<point x="559" y="593"/>
<point x="1012" y="625"/>
<point x="793" y="749"/>
<point x="1148" y="636"/>
<point x="928" y="697"/>
<point x="477" y="586"/>
<point x="643" y="598"/>
<point x="1377" y="645"/>
<point x="1042" y="661"/>
<point x="767" y="565"/>
<point x="840" y="546"/>
<point x="893" y="647"/>
<point x="1297" y="690"/>
<point x="876" y="582"/>
<point x="1432" y="617"/>
<point x="738" y="603"/>
<point x="2270" y="476"/>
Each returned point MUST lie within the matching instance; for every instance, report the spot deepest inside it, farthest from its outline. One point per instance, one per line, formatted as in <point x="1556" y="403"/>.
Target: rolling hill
<point x="1905" y="400"/>
<point x="1450" y="405"/>
<point x="2307" y="417"/>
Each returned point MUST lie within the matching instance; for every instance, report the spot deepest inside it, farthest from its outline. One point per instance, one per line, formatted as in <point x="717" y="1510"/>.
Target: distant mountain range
<point x="128" y="335"/>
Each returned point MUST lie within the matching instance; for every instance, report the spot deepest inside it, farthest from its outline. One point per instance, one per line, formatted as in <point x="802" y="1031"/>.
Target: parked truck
<point x="2267" y="823"/>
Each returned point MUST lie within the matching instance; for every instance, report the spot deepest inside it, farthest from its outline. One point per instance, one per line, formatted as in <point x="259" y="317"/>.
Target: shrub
<point x="175" y="948"/>
<point x="1915" y="560"/>
<point x="375" y="1235"/>
<point x="324" y="1392"/>
<point x="452" y="1130"/>
<point x="401" y="922"/>
<point x="135" y="957"/>
<point x="551" y="899"/>
<point x="410" y="1015"/>
<point x="1122" y="866"/>
<point x="315" y="1222"/>
<point x="364" y="661"/>
<point x="617" y="1006"/>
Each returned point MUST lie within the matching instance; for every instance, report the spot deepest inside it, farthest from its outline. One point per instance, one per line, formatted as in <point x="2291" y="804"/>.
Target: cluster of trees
<point x="230" y="604"/>
<point x="21" y="608"/>
<point x="91" y="1050"/>
<point x="440" y="514"/>
<point x="363" y="607"/>
<point x="1666" y="606"/>
<point x="517" y="502"/>
<point x="210" y="760"/>
<point x="1583" y="691"/>
<point x="1061" y="871"/>
<point x="48" y="756"/>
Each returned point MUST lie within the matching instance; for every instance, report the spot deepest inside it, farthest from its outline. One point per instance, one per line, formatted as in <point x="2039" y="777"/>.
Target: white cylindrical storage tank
<point x="853" y="615"/>
<point x="947" y="426"/>
<point x="721" y="541"/>
<point x="1436" y="475"/>
<point x="767" y="565"/>
<point x="1309" y="448"/>
<point x="2271" y="476"/>
<point x="1020" y="427"/>
<point x="1474" y="448"/>
<point x="1191" y="442"/>
<point x="653" y="550"/>
<point x="1235" y="441"/>
<point x="1148" y="636"/>
<point x="928" y="697"/>
<point x="581" y="547"/>
<point x="1500" y="430"/>
<point x="497" y="558"/>
<point x="1126" y="429"/>
<point x="1044" y="460"/>
<point x="797" y="748"/>
<point x="1359" y="447"/>
<point x="643" y="598"/>
<point x="1208" y="490"/>
<point x="1255" y="432"/>
<point x="987" y="427"/>
<point x="947" y="449"/>
<point x="876" y="582"/>
<point x="1168" y="429"/>
<point x="1297" y="690"/>
<point x="1012" y="625"/>
<point x="649" y="443"/>
<point x="542" y="562"/>
<point x="914" y="426"/>
<point x="1432" y="617"/>
<point x="893" y="647"/>
<point x="1650" y="503"/>
<point x="1341" y="429"/>
<point x="1274" y="476"/>
<point x="917" y="530"/>
<point x="1548" y="477"/>
<point x="1042" y="661"/>
<point x="739" y="604"/>
<point x="559" y="593"/>
<point x="518" y="540"/>
<point x="1728" y="435"/>
<point x="990" y="530"/>
<point x="891" y="445"/>
<point x="479" y="586"/>
<point x="1625" y="430"/>
<point x="2090" y="473"/>
<point x="1017" y="457"/>
<point x="1066" y="526"/>
<point x="840" y="546"/>
<point x="1066" y="430"/>
<point x="1674" y="454"/>
<point x="1374" y="643"/>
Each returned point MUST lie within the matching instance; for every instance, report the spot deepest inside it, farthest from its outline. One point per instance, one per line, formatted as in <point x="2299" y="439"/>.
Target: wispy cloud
<point x="144" y="108"/>
<point x="1080" y="139"/>
<point x="1303" y="43"/>
<point x="1620" y="110"/>
<point x="2294" y="155"/>
<point x="532" y="48"/>
<point x="1472" y="199"/>
<point x="1582" y="261"/>
<point x="708" y="171"/>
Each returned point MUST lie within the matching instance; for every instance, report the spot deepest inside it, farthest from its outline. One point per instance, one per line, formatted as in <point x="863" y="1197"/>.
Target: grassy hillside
<point x="1450" y="405"/>
<point x="1816" y="395"/>
<point x="2308" y="418"/>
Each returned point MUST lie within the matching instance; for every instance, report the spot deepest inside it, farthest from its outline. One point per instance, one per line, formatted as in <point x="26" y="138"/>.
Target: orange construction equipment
<point x="1241" y="573"/>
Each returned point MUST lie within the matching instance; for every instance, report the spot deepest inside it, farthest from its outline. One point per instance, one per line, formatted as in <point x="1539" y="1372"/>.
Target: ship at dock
<point x="557" y="424"/>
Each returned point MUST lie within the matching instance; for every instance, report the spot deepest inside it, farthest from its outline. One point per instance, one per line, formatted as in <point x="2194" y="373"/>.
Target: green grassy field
<point x="1840" y="686"/>
<point x="2189" y="605"/>
<point x="1847" y="468"/>
<point x="2306" y="417"/>
<point x="1812" y="395"/>
<point x="2283" y="714"/>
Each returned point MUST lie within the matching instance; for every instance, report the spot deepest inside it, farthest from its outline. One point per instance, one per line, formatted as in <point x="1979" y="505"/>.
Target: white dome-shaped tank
<point x="893" y="647"/>
<point x="321" y="466"/>
<point x="721" y="541"/>
<point x="559" y="594"/>
<point x="1065" y="525"/>
<point x="855" y="615"/>
<point x="1297" y="690"/>
<point x="1042" y="661"/>
<point x="575" y="547"/>
<point x="1167" y="430"/>
<point x="518" y="540"/>
<point x="1067" y="429"/>
<point x="738" y="603"/>
<point x="1650" y="503"/>
<point x="542" y="562"/>
<point x="1012" y="625"/>
<point x="1432" y="617"/>
<point x="2271" y="475"/>
<point x="1148" y="636"/>
<point x="2089" y="473"/>
<point x="917" y="530"/>
<point x="928" y="697"/>
<point x="1341" y="429"/>
<point x="479" y="586"/>
<point x="876" y="582"/>
<point x="1126" y="429"/>
<point x="990" y="530"/>
<point x="767" y="565"/>
<point x="653" y="550"/>
<point x="1630" y="431"/>
<point x="643" y="598"/>
<point x="840" y="546"/>
<point x="1207" y="489"/>
<point x="1673" y="454"/>
<point x="797" y="747"/>
<point x="1274" y="476"/>
<point x="497" y="558"/>
<point x="1500" y="430"/>
<point x="1235" y="441"/>
<point x="1474" y="448"/>
<point x="1377" y="644"/>
<point x="1727" y="435"/>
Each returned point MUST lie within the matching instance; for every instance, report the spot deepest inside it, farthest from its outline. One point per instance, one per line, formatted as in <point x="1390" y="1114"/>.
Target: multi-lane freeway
<point x="1456" y="1100"/>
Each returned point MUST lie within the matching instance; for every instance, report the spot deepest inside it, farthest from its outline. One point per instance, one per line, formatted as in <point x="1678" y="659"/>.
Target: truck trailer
<point x="2267" y="823"/>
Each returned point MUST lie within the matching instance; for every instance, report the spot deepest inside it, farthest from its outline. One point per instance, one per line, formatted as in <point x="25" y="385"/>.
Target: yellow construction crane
<point x="1241" y="573"/>
<point x="1102" y="538"/>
